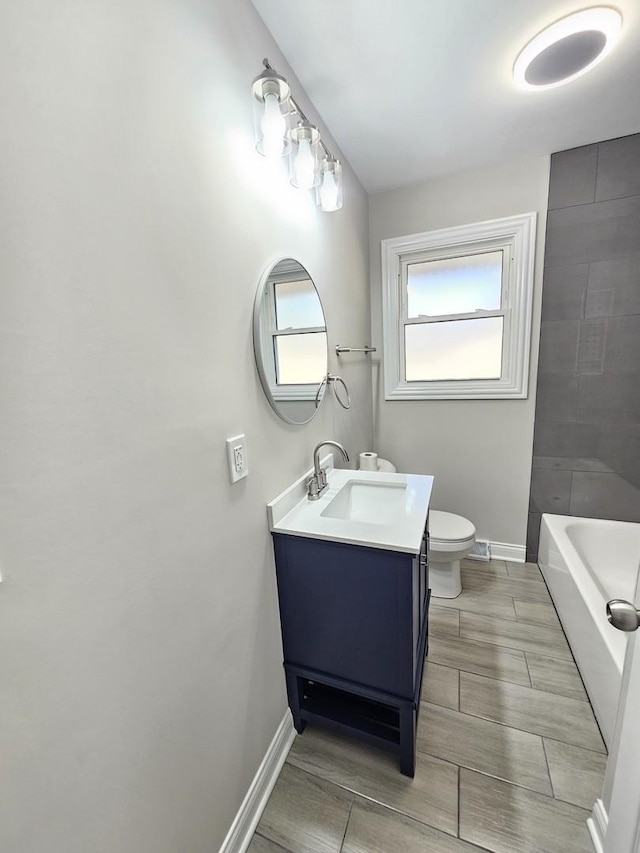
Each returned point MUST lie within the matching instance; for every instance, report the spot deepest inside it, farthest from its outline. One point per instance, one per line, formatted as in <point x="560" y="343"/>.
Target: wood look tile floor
<point x="510" y="758"/>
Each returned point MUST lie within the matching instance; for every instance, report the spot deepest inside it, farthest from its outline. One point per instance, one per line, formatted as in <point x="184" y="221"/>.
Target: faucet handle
<point x="313" y="488"/>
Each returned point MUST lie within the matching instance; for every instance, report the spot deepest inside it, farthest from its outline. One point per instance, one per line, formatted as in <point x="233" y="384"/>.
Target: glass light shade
<point x="271" y="109"/>
<point x="329" y="192"/>
<point x="556" y="45"/>
<point x="303" y="158"/>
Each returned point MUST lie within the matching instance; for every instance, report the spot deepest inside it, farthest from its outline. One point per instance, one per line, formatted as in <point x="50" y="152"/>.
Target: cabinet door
<point x="349" y="611"/>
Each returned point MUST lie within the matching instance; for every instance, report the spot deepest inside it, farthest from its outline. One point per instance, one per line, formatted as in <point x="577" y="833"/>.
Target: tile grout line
<point x="584" y="698"/>
<point x="275" y="843"/>
<point x="546" y="758"/>
<point x="526" y="663"/>
<point x="458" y="803"/>
<point x="346" y="826"/>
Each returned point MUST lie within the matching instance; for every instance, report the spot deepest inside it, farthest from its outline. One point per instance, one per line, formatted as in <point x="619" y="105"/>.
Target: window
<point x="457" y="311"/>
<point x="294" y="332"/>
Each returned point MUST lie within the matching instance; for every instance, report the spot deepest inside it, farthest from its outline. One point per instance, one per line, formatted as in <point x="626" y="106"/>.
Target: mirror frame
<point x="257" y="343"/>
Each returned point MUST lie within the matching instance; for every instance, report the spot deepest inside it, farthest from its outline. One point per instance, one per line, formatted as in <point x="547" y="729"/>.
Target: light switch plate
<point x="237" y="458"/>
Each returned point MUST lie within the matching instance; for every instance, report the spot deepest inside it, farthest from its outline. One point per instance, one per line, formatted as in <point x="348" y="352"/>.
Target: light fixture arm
<point x="295" y="106"/>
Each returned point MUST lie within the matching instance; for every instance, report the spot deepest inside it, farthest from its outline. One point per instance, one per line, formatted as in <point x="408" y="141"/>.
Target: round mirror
<point x="290" y="341"/>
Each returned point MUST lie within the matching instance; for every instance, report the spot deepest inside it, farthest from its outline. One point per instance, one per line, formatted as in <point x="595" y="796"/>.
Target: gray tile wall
<point x="586" y="453"/>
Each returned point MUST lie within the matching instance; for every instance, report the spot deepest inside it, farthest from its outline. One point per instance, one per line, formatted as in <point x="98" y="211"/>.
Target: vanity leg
<point x="408" y="741"/>
<point x="294" y="692"/>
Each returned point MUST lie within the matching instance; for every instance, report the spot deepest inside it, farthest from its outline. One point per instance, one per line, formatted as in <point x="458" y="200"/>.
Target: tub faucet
<point x="317" y="483"/>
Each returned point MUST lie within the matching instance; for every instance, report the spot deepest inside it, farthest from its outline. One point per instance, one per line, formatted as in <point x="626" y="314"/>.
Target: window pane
<point x="455" y="285"/>
<point x="301" y="359"/>
<point x="297" y="305"/>
<point x="454" y="349"/>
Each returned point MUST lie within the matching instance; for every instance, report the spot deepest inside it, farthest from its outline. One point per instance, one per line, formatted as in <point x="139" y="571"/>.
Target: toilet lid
<point x="448" y="527"/>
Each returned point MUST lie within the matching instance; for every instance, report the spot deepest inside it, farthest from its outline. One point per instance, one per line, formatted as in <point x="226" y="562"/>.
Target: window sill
<point x="458" y="390"/>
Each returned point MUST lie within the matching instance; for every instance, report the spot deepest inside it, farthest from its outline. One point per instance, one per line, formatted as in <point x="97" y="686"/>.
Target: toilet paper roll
<point x="368" y="461"/>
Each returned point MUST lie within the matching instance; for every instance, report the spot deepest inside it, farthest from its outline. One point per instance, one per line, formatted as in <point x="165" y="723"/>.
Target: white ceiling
<point x="411" y="89"/>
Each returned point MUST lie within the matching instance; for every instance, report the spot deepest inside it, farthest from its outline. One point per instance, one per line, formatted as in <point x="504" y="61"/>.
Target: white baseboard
<point x="505" y="551"/>
<point x="597" y="825"/>
<point x="250" y="811"/>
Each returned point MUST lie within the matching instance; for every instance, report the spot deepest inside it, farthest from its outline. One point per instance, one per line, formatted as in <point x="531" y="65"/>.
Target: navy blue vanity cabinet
<point x="354" y="634"/>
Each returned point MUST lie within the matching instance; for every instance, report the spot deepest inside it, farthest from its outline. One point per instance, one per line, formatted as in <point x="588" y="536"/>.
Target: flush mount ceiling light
<point x="282" y="128"/>
<point x="567" y="49"/>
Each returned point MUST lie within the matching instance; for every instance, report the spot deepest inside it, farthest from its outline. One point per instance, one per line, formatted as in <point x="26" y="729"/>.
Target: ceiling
<point x="413" y="89"/>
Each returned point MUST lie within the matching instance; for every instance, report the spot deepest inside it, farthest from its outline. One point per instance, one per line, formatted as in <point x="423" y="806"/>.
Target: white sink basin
<point x="369" y="501"/>
<point x="366" y="508"/>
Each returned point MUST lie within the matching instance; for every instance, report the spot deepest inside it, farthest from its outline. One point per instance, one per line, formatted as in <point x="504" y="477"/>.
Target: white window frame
<point x="515" y="237"/>
<point x="268" y="333"/>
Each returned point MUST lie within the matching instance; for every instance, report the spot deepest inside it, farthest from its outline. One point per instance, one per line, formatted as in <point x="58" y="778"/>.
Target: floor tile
<point x="577" y="774"/>
<point x="260" y="844"/>
<point x="480" y="602"/>
<point x="522" y="588"/>
<point x="546" y="714"/>
<point x="482" y="658"/>
<point x="374" y="829"/>
<point x="488" y="747"/>
<point x="556" y="676"/>
<point x="498" y="568"/>
<point x="305" y="814"/>
<point x="431" y="796"/>
<point x="443" y="620"/>
<point x="504" y="818"/>
<point x="515" y="635"/>
<point x="537" y="613"/>
<point x="440" y="685"/>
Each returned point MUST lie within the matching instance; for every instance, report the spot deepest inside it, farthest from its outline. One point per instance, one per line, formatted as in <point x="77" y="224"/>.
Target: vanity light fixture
<point x="303" y="159"/>
<point x="281" y="128"/>
<point x="329" y="195"/>
<point x="568" y="48"/>
<point x="271" y="94"/>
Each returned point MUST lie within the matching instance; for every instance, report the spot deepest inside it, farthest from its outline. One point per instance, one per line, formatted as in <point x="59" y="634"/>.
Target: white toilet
<point x="451" y="538"/>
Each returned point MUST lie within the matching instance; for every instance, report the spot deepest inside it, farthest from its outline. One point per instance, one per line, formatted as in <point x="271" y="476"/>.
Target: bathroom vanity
<point x="353" y="589"/>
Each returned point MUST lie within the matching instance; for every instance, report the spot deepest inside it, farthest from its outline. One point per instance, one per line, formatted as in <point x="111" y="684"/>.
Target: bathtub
<point x="586" y="562"/>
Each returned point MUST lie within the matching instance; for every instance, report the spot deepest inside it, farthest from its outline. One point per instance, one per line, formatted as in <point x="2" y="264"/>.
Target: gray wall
<point x="587" y="433"/>
<point x="140" y="657"/>
<point x="478" y="450"/>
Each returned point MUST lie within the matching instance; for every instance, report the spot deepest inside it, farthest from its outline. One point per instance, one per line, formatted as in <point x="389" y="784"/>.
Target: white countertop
<point x="294" y="514"/>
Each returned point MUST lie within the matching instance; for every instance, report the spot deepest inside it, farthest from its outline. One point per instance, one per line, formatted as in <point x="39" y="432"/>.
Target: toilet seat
<point x="448" y="528"/>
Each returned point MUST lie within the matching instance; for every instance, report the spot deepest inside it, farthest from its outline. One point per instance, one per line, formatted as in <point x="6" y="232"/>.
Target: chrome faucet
<point x="317" y="483"/>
